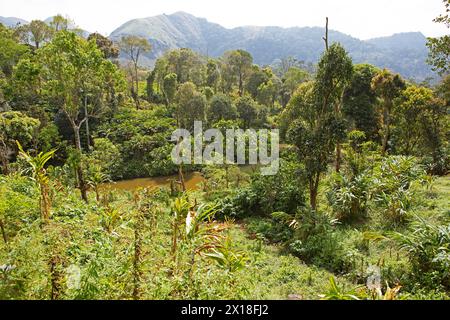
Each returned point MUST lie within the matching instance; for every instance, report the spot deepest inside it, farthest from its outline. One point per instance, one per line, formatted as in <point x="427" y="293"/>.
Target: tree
<point x="360" y="101"/>
<point x="133" y="47"/>
<point x="79" y="80"/>
<point x="291" y="79"/>
<point x="109" y="49"/>
<point x="267" y="92"/>
<point x="439" y="55"/>
<point x="60" y="23"/>
<point x="221" y="108"/>
<point x="191" y="105"/>
<point x="14" y="126"/>
<point x="36" y="32"/>
<point x="314" y="131"/>
<point x="387" y="86"/>
<point x="248" y="110"/>
<point x="238" y="63"/>
<point x="408" y="114"/>
<point x="282" y="66"/>
<point x="212" y="74"/>
<point x="256" y="79"/>
<point x="170" y="87"/>
<point x="187" y="65"/>
<point x="335" y="71"/>
<point x="12" y="51"/>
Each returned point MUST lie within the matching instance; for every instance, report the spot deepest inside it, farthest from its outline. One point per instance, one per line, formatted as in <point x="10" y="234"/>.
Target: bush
<point x="428" y="249"/>
<point x="349" y="197"/>
<point x="393" y="179"/>
<point x="266" y="194"/>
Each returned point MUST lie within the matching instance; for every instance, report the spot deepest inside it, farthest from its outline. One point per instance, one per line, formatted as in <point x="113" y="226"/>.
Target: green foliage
<point x="439" y="48"/>
<point x="349" y="197"/>
<point x="428" y="249"/>
<point x="266" y="194"/>
<point x="393" y="186"/>
<point x="359" y="104"/>
<point x="335" y="292"/>
<point x="221" y="108"/>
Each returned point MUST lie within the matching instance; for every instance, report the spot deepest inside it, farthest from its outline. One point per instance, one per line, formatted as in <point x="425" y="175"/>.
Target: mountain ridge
<point x="404" y="53"/>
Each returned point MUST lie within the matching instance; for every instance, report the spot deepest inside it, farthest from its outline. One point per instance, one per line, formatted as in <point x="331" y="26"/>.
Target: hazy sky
<point x="360" y="18"/>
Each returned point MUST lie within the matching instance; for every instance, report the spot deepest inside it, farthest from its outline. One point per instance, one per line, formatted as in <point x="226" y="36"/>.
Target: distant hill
<point x="404" y="53"/>
<point x="12" y="21"/>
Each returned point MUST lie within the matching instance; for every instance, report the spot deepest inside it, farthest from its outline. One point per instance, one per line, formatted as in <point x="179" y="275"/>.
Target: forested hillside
<point x="404" y="53"/>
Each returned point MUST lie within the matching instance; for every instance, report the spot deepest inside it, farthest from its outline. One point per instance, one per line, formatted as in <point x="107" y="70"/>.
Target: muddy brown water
<point x="192" y="182"/>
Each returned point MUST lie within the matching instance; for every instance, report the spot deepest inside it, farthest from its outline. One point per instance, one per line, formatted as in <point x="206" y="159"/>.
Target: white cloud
<point x="359" y="18"/>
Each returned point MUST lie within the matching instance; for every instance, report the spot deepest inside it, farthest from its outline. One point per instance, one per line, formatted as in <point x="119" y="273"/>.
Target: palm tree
<point x="39" y="174"/>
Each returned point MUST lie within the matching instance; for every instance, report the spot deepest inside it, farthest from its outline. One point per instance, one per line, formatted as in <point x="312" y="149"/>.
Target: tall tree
<point x="11" y="50"/>
<point x="335" y="71"/>
<point x="14" y="126"/>
<point x="314" y="131"/>
<point x="36" y="32"/>
<point x="387" y="86"/>
<point x="221" y="108"/>
<point x="239" y="63"/>
<point x="359" y="106"/>
<point x="78" y="79"/>
<point x="109" y="49"/>
<point x="133" y="47"/>
<point x="170" y="87"/>
<point x="439" y="55"/>
<point x="191" y="105"/>
<point x="60" y="23"/>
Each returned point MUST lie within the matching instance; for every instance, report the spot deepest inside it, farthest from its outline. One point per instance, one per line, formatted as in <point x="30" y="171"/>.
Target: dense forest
<point x="358" y="210"/>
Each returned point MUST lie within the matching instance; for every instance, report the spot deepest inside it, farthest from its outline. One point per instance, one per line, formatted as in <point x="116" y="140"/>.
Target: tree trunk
<point x="45" y="203"/>
<point x="2" y="228"/>
<point x="4" y="163"/>
<point x="3" y="157"/>
<point x="241" y="85"/>
<point x="338" y="157"/>
<point x="326" y="35"/>
<point x="81" y="182"/>
<point x="137" y="86"/>
<point x="88" y="134"/>
<point x="313" y="191"/>
<point x="386" y="129"/>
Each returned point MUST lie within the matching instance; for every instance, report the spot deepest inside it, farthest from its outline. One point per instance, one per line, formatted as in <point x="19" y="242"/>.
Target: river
<point x="192" y="182"/>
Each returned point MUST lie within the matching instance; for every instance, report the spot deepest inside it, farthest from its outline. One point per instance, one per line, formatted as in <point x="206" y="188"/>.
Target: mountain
<point x="404" y="53"/>
<point x="12" y="21"/>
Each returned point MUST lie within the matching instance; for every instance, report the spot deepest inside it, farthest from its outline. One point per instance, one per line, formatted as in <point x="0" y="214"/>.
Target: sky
<point x="362" y="19"/>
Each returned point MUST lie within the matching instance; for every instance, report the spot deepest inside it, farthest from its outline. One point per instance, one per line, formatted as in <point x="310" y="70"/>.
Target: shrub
<point x="266" y="194"/>
<point x="428" y="249"/>
<point x="349" y="197"/>
<point x="392" y="190"/>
